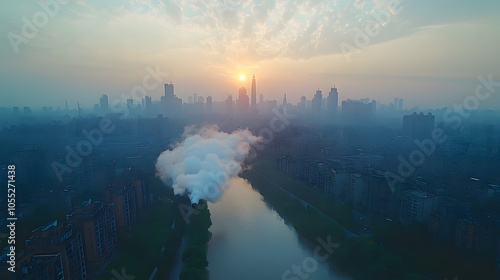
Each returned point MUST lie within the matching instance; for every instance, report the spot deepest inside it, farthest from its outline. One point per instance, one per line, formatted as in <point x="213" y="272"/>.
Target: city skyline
<point x="430" y="61"/>
<point x="196" y="140"/>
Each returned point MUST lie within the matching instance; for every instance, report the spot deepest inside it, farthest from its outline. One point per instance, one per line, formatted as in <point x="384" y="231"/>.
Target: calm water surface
<point x="251" y="241"/>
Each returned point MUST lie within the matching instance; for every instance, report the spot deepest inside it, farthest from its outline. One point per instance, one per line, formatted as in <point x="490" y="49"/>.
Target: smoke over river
<point x="201" y="165"/>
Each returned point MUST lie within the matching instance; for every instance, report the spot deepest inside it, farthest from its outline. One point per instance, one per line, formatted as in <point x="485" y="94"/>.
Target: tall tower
<point x="169" y="90"/>
<point x="243" y="98"/>
<point x="316" y="104"/>
<point x="103" y="102"/>
<point x="332" y="103"/>
<point x="208" y="107"/>
<point x="254" y="92"/>
<point x="171" y="104"/>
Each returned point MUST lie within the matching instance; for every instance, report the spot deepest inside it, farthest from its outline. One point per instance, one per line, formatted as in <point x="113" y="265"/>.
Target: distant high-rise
<point x="147" y="103"/>
<point x="254" y="92"/>
<point x="243" y="98"/>
<point x="332" y="103"/>
<point x="171" y="104"/>
<point x="358" y="111"/>
<point x="400" y="104"/>
<point x="209" y="104"/>
<point x="229" y="103"/>
<point x="261" y="98"/>
<point x="190" y="100"/>
<point x="130" y="103"/>
<point x="316" y="103"/>
<point x="103" y="102"/>
<point x="302" y="105"/>
<point x="418" y="125"/>
<point x="169" y="90"/>
<point x="284" y="100"/>
<point x="195" y="98"/>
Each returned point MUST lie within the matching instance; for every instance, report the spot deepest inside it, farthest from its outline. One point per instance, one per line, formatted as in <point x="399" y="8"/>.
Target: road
<point x="179" y="264"/>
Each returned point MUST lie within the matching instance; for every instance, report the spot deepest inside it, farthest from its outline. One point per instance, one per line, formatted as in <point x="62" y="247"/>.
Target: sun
<point x="242" y="77"/>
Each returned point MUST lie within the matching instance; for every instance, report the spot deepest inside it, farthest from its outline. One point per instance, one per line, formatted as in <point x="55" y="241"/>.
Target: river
<point x="251" y="241"/>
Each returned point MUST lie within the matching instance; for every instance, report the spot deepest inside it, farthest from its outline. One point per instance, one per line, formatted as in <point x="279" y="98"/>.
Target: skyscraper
<point x="103" y="102"/>
<point x="147" y="103"/>
<point x="209" y="104"/>
<point x="254" y="92"/>
<point x="171" y="104"/>
<point x="169" y="90"/>
<point x="229" y="104"/>
<point x="332" y="103"/>
<point x="316" y="103"/>
<point x="242" y="98"/>
<point x="302" y="105"/>
<point x="358" y="111"/>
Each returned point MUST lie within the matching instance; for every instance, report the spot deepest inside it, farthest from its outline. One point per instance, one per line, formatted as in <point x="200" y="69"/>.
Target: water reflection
<point x="251" y="241"/>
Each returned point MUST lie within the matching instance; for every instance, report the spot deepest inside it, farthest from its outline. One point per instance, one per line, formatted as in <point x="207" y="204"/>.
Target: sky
<point x="429" y="52"/>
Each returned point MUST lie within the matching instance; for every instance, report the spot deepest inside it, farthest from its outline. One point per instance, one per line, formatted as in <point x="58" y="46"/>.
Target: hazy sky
<point x="429" y="52"/>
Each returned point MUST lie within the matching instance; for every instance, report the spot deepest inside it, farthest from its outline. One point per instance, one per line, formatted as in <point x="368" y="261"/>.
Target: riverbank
<point x="357" y="257"/>
<point x="152" y="243"/>
<point x="194" y="256"/>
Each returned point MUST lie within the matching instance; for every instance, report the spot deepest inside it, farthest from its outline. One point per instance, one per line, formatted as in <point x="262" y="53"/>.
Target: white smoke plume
<point x="201" y="165"/>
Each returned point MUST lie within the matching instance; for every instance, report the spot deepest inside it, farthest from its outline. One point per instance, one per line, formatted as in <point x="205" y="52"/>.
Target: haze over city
<point x="250" y="139"/>
<point x="428" y="52"/>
